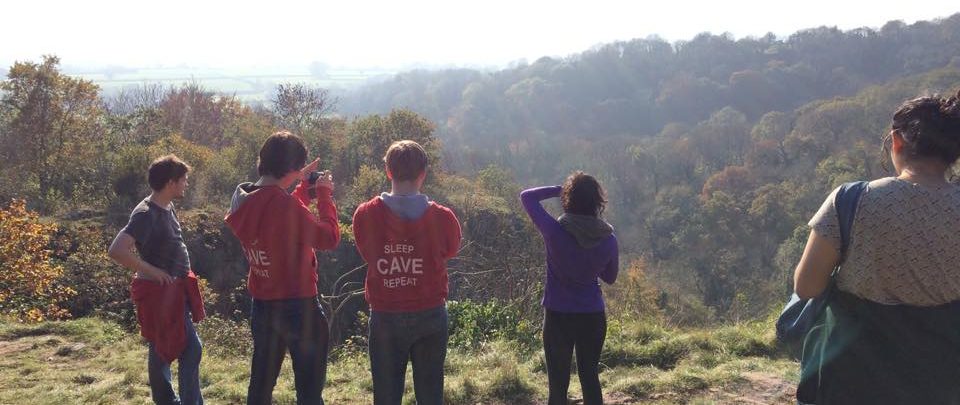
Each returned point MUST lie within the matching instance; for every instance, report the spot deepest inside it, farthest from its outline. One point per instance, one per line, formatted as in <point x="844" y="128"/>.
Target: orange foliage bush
<point x="29" y="288"/>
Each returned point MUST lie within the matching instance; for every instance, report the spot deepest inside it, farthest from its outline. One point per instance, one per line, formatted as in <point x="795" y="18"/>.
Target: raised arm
<point x="531" y="198"/>
<point x="321" y="230"/>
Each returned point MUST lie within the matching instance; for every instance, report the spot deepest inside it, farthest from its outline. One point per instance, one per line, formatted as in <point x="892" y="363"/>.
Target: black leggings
<point x="562" y="334"/>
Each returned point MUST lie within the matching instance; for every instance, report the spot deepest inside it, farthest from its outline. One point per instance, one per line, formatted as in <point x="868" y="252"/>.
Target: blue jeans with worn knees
<point x="188" y="373"/>
<point x="395" y="338"/>
<point x="300" y="326"/>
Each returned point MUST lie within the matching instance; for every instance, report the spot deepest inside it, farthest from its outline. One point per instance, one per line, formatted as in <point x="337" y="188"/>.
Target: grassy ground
<point x="91" y="361"/>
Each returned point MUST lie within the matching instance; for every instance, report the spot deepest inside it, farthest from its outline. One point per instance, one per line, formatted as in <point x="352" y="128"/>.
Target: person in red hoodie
<point x="164" y="289"/>
<point x="279" y="233"/>
<point x="406" y="240"/>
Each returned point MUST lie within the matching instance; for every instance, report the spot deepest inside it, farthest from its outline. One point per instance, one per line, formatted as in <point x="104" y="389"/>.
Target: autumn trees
<point x="715" y="151"/>
<point x="50" y="134"/>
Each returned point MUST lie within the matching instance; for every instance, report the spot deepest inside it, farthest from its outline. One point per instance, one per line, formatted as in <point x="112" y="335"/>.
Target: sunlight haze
<point x="395" y="34"/>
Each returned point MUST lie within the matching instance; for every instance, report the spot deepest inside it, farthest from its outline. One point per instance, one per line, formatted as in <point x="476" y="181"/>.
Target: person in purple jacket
<point x="581" y="248"/>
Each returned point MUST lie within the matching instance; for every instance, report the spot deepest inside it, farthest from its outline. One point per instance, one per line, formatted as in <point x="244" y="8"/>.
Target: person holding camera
<point x="280" y="233"/>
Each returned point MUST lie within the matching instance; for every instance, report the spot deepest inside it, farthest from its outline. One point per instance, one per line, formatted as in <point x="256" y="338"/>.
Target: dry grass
<point x="92" y="361"/>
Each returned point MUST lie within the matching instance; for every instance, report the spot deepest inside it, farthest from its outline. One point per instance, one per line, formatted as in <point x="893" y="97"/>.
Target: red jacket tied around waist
<point x="161" y="309"/>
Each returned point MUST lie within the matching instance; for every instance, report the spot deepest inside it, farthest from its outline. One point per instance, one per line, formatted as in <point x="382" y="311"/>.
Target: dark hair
<point x="583" y="195"/>
<point x="164" y="170"/>
<point x="282" y="153"/>
<point x="405" y="160"/>
<point x="930" y="127"/>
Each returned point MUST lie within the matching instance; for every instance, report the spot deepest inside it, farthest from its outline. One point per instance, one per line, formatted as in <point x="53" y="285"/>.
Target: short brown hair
<point x="164" y="170"/>
<point x="405" y="160"/>
<point x="583" y="195"/>
<point x="282" y="153"/>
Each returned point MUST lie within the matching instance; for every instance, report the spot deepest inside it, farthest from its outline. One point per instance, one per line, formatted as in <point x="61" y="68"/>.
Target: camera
<point x="312" y="179"/>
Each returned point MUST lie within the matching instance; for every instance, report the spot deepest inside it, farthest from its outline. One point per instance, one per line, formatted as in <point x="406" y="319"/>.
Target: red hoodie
<point x="406" y="259"/>
<point x="279" y="234"/>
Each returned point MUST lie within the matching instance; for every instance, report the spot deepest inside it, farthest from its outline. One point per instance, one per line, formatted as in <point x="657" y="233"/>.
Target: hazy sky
<point x="366" y="33"/>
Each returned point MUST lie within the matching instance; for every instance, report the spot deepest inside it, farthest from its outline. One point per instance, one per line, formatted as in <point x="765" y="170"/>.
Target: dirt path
<point x="758" y="389"/>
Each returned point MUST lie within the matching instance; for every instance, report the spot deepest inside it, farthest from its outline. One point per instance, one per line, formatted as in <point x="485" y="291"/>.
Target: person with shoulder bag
<point x="886" y="329"/>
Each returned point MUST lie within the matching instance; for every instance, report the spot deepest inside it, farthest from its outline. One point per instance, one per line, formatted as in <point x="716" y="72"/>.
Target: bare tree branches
<point x="301" y="108"/>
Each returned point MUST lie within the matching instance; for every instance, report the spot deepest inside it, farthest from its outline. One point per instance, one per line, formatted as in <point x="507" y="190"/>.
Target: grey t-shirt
<point x="159" y="238"/>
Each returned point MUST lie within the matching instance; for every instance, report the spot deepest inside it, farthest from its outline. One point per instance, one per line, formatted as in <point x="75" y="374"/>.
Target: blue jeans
<point x="188" y="374"/>
<point x="297" y="325"/>
<point x="395" y="338"/>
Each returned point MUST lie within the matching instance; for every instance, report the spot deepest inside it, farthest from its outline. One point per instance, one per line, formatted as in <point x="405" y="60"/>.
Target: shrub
<point x="225" y="336"/>
<point x="28" y="279"/>
<point x="636" y="387"/>
<point x="102" y="287"/>
<point x="473" y="323"/>
<point x="509" y="386"/>
<point x="634" y="294"/>
<point x="662" y="353"/>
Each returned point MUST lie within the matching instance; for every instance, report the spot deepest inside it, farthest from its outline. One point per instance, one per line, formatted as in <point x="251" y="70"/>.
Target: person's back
<point x="279" y="233"/>
<point x="574" y="264"/>
<point x="891" y="331"/>
<point x="407" y="256"/>
<point x="580" y="249"/>
<point x="895" y="288"/>
<point x="406" y="240"/>
<point x="905" y="245"/>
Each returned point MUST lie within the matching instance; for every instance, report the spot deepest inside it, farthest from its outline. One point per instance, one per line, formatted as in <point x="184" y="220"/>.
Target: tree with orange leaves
<point x="29" y="289"/>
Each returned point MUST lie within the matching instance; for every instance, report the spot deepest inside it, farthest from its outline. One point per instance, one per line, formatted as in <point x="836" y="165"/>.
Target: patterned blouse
<point x="905" y="247"/>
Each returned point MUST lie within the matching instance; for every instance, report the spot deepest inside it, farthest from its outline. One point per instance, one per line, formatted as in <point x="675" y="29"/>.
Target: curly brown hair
<point x="583" y="195"/>
<point x="930" y="128"/>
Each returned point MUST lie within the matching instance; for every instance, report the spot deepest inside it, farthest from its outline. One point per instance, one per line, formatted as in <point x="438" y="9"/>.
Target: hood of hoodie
<point x="391" y="222"/>
<point x="246" y="197"/>
<point x="589" y="231"/>
<point x="409" y="207"/>
<point x="241" y="194"/>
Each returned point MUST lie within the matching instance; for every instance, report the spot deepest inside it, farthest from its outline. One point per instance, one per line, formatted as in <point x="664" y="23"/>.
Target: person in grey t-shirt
<point x="154" y="231"/>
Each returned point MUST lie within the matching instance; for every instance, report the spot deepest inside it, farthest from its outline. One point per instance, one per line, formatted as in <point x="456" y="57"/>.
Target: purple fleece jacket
<point x="572" y="270"/>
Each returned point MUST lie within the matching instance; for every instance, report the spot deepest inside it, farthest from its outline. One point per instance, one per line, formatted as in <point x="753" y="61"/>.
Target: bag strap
<point x="845" y="203"/>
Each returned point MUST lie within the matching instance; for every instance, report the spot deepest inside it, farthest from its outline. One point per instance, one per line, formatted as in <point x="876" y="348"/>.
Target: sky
<point x="399" y="33"/>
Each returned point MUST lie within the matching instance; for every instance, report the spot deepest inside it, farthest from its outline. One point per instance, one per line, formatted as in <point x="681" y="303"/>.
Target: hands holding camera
<point x="314" y="178"/>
